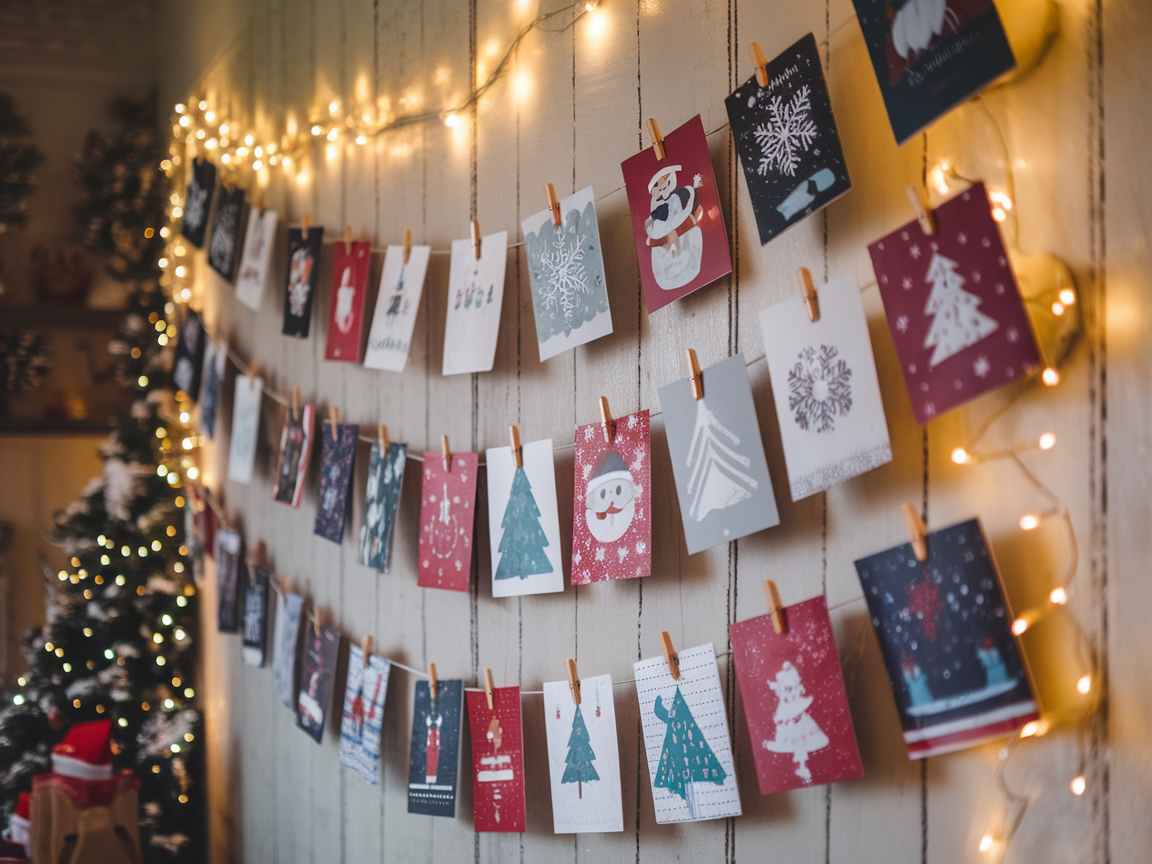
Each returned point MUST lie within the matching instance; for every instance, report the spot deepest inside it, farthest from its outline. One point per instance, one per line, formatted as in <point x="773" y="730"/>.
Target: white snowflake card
<point x="396" y="306"/>
<point x="475" y="298"/>
<point x="245" y="427"/>
<point x="686" y="738"/>
<point x="258" y="242"/>
<point x="824" y="383"/>
<point x="524" y="522"/>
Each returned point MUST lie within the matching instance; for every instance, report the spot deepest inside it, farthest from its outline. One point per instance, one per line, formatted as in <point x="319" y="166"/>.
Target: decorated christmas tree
<point x="796" y="731"/>
<point x="580" y="769"/>
<point x="686" y="758"/>
<point x="957" y="320"/>
<point x="523" y="541"/>
<point x="18" y="161"/>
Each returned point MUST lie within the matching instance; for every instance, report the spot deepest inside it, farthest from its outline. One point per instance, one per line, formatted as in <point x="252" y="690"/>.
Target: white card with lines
<point x="686" y="738"/>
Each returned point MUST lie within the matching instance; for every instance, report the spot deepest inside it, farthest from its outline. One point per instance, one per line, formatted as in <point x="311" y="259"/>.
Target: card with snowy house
<point x="612" y="514"/>
<point x="381" y="500"/>
<point x="566" y="269"/>
<point x="794" y="699"/>
<point x="524" y="521"/>
<point x="956" y="670"/>
<point x="225" y="236"/>
<point x="259" y="238"/>
<point x="285" y="641"/>
<point x="787" y="140"/>
<point x="953" y="306"/>
<point x="475" y="297"/>
<point x="254" y="645"/>
<point x="337" y="452"/>
<point x="188" y="362"/>
<point x="346" y="306"/>
<point x="247" y="392"/>
<point x="363" y="718"/>
<point x="398" y="301"/>
<point x="825" y="387"/>
<point x="931" y="55"/>
<point x="215" y="358"/>
<point x="583" y="757"/>
<point x="718" y="457"/>
<point x="228" y="554"/>
<point x="686" y="738"/>
<point x="198" y="201"/>
<point x="317" y="671"/>
<point x="681" y="244"/>
<point x="497" y="760"/>
<point x="434" y="760"/>
<point x="300" y="284"/>
<point x="447" y="517"/>
<point x="295" y="454"/>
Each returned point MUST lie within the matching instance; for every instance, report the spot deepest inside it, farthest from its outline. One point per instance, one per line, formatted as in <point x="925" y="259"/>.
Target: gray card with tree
<point x="718" y="457"/>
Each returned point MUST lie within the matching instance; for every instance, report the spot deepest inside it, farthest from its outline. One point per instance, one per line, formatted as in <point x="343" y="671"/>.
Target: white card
<point x="475" y="297"/>
<point x="245" y="426"/>
<point x="824" y="383"/>
<point x="286" y="635"/>
<point x="258" y="242"/>
<point x="525" y="498"/>
<point x="397" y="303"/>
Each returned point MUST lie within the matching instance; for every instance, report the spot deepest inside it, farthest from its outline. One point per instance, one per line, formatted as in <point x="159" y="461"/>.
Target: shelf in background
<point x="60" y="317"/>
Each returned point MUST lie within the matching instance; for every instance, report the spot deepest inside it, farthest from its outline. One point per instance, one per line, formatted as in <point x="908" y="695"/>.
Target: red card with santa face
<point x="680" y="239"/>
<point x="447" y="511"/>
<point x="346" y="306"/>
<point x="497" y="760"/>
<point x="953" y="306"/>
<point x="612" y="519"/>
<point x="794" y="699"/>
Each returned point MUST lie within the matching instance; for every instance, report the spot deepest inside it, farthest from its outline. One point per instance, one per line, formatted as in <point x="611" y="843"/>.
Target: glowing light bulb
<point x="1059" y="596"/>
<point x="180" y="108"/>
<point x="162" y="263"/>
<point x="179" y="635"/>
<point x="1030" y="728"/>
<point x="18" y="699"/>
<point x="226" y="158"/>
<point x="959" y="455"/>
<point x="1050" y="376"/>
<point x="177" y="212"/>
<point x="1067" y="296"/>
<point x="210" y="144"/>
<point x="185" y="294"/>
<point x="258" y="152"/>
<point x="1057" y="309"/>
<point x="333" y="107"/>
<point x="1029" y="521"/>
<point x="187" y="444"/>
<point x="201" y="134"/>
<point x="257" y="165"/>
<point x="210" y="116"/>
<point x="189" y="692"/>
<point x="157" y="638"/>
<point x="185" y="121"/>
<point x="360" y="139"/>
<point x="316" y="130"/>
<point x="160" y="661"/>
<point x="332" y="133"/>
<point x="1019" y="627"/>
<point x="142" y="380"/>
<point x="223" y="128"/>
<point x="1047" y="441"/>
<point x="986" y="842"/>
<point x="241" y="152"/>
<point x="202" y="104"/>
<point x="180" y="271"/>
<point x="169" y="704"/>
<point x="451" y="121"/>
<point x="122" y="722"/>
<point x="193" y="472"/>
<point x="287" y="162"/>
<point x="1084" y="684"/>
<point x="248" y="139"/>
<point x="1078" y="785"/>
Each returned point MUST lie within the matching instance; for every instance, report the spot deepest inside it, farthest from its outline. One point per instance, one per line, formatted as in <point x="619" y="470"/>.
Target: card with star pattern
<point x="337" y="452"/>
<point x="447" y="516"/>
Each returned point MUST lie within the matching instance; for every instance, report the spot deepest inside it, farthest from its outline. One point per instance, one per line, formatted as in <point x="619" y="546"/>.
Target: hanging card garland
<point x="198" y="201"/>
<point x="226" y="231"/>
<point x="300" y="287"/>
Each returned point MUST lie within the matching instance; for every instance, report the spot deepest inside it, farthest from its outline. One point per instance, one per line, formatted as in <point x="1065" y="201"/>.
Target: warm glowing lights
<point x="179" y="635"/>
<point x="360" y="139"/>
<point x="162" y="263"/>
<point x="185" y="294"/>
<point x="1084" y="684"/>
<point x="1057" y="309"/>
<point x="177" y="212"/>
<point x="226" y="158"/>
<point x="169" y="704"/>
<point x="1078" y="785"/>
<point x="122" y="722"/>
<point x="1059" y="596"/>
<point x="960" y="456"/>
<point x="986" y="842"/>
<point x="287" y="162"/>
<point x="181" y="271"/>
<point x="187" y="443"/>
<point x="210" y="116"/>
<point x="1067" y="296"/>
<point x="17" y="699"/>
<point x="257" y="165"/>
<point x="185" y="121"/>
<point x="1032" y="727"/>
<point x="316" y="130"/>
<point x="180" y="108"/>
<point x="334" y="107"/>
<point x="160" y="661"/>
<point x="1047" y="441"/>
<point x="241" y="152"/>
<point x="202" y="105"/>
<point x="210" y="144"/>
<point x="1019" y="628"/>
<point x="451" y="121"/>
<point x="1001" y="206"/>
<point x="193" y="472"/>
<point x="201" y="134"/>
<point x="164" y="232"/>
<point x="1050" y="376"/>
<point x="938" y="177"/>
<point x="332" y="133"/>
<point x="522" y="85"/>
<point x="1029" y="521"/>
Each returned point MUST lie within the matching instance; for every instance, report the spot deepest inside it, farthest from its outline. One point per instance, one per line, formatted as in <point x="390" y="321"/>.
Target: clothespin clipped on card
<point x="432" y="681"/>
<point x="316" y="621"/>
<point x="695" y="376"/>
<point x="407" y="244"/>
<point x="670" y="656"/>
<point x="295" y="402"/>
<point x="606" y="419"/>
<point x="517" y="453"/>
<point x="306" y="224"/>
<point x="760" y="63"/>
<point x="476" y="238"/>
<point x="657" y="138"/>
<point x="253" y="370"/>
<point x="260" y="555"/>
<point x="924" y="214"/>
<point x="347" y="239"/>
<point x="334" y="419"/>
<point x="383" y="439"/>
<point x="446" y="453"/>
<point x="553" y="204"/>
<point x="573" y="681"/>
<point x="808" y="292"/>
<point x="916" y="531"/>
<point x="775" y="608"/>
<point x="366" y="649"/>
<point x="489" y="690"/>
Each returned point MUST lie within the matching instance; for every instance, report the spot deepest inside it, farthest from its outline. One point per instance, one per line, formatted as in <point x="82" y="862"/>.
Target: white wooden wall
<point x="276" y="796"/>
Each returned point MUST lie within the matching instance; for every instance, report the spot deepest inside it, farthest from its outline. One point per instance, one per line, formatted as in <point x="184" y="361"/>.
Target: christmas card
<point x="583" y="757"/>
<point x="612" y="515"/>
<point x="931" y="55"/>
<point x="295" y="453"/>
<point x="566" y="269"/>
<point x="944" y="629"/>
<point x="434" y="764"/>
<point x="226" y="231"/>
<point x="254" y="650"/>
<point x="346" y="307"/>
<point x="245" y="427"/>
<point x="300" y="286"/>
<point x="286" y="638"/>
<point x="188" y="362"/>
<point x="676" y="221"/>
<point x="475" y="297"/>
<point x="824" y="383"/>
<point x="787" y="140"/>
<point x="717" y="457"/>
<point x="523" y="521"/>
<point x="385" y="477"/>
<point x="447" y="515"/>
<point x="215" y="357"/>
<point x="497" y="760"/>
<point x="794" y="699"/>
<point x="228" y="555"/>
<point x="194" y="531"/>
<point x="198" y="201"/>
<point x="397" y="303"/>
<point x="321" y="645"/>
<point x="953" y="306"/>
<point x="258" y="242"/>
<point x="363" y="718"/>
<point x="337" y="452"/>
<point x="686" y="738"/>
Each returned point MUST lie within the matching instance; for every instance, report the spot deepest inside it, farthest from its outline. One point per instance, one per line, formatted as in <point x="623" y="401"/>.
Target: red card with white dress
<point x="447" y="513"/>
<point x="346" y="307"/>
<point x="497" y="760"/>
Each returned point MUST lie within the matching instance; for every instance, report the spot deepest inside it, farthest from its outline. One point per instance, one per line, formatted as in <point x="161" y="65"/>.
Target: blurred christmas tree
<point x="18" y="160"/>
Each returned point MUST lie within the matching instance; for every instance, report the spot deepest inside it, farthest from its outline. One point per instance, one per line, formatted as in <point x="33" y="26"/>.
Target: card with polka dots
<point x="447" y="514"/>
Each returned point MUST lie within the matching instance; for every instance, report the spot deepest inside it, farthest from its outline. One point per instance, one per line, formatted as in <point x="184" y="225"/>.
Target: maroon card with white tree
<point x="447" y="513"/>
<point x="953" y="306"/>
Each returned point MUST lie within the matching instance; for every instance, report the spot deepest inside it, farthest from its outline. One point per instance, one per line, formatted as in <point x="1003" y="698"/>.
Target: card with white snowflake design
<point x="681" y="244"/>
<point x="337" y="453"/>
<point x="398" y="301"/>
<point x="718" y="457"/>
<point x="188" y="362"/>
<point x="475" y="297"/>
<point x="944" y="628"/>
<point x="226" y="231"/>
<point x="245" y="427"/>
<point x="953" y="307"/>
<point x="259" y="239"/>
<point x="346" y="308"/>
<point x="787" y="140"/>
<point x="300" y="287"/>
<point x="381" y="501"/>
<point x="447" y="517"/>
<point x="566" y="269"/>
<point x="825" y="387"/>
<point x="198" y="201"/>
<point x="612" y="516"/>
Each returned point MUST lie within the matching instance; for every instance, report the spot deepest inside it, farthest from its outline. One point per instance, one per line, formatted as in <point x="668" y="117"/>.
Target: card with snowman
<point x="346" y="309"/>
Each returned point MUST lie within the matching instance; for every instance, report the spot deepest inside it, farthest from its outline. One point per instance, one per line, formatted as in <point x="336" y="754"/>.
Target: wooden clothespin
<point x="553" y="204"/>
<point x="316" y="621"/>
<point x="366" y="649"/>
<point x="306" y="224"/>
<point x="657" y="138"/>
<point x="808" y="291"/>
<point x="260" y="557"/>
<point x="253" y="370"/>
<point x="347" y="239"/>
<point x="924" y="214"/>
<point x="517" y="453"/>
<point x="432" y="681"/>
<point x="334" y="419"/>
<point x="760" y="63"/>
<point x="489" y="690"/>
<point x="295" y="402"/>
<point x="917" y="530"/>
<point x="606" y="419"/>
<point x="695" y="376"/>
<point x="476" y="238"/>
<point x="446" y="453"/>
<point x="670" y="657"/>
<point x="383" y="439"/>
<point x="573" y="681"/>
<point x="407" y="244"/>
<point x="775" y="608"/>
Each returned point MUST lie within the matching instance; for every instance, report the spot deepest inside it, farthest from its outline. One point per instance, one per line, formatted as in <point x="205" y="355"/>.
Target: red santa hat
<point x="86" y="752"/>
<point x="19" y="828"/>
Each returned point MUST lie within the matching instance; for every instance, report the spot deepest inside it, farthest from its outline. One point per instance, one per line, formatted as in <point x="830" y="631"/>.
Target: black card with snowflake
<point x="787" y="140"/>
<point x="226" y="231"/>
<point x="944" y="629"/>
<point x="198" y="201"/>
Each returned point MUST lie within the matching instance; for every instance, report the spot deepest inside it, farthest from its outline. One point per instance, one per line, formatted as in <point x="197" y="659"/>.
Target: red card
<point x="953" y="306"/>
<point x="346" y="308"/>
<point x="447" y="511"/>
<point x="794" y="699"/>
<point x="680" y="239"/>
<point x="497" y="760"/>
<point x="612" y="518"/>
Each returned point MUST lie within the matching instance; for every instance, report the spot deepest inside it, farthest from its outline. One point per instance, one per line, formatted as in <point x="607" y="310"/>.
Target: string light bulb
<point x="1078" y="785"/>
<point x="1067" y="296"/>
<point x="960" y="456"/>
<point x="332" y="133"/>
<point x="180" y="108"/>
<point x="202" y="104"/>
<point x="316" y="130"/>
<point x="1084" y="684"/>
<point x="1029" y="521"/>
<point x="986" y="842"/>
<point x="1059" y="596"/>
<point x="185" y="121"/>
<point x="1019" y="628"/>
<point x="210" y="116"/>
<point x="1047" y="441"/>
<point x="1050" y="376"/>
<point x="451" y="121"/>
<point x="1057" y="309"/>
<point x="1001" y="206"/>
